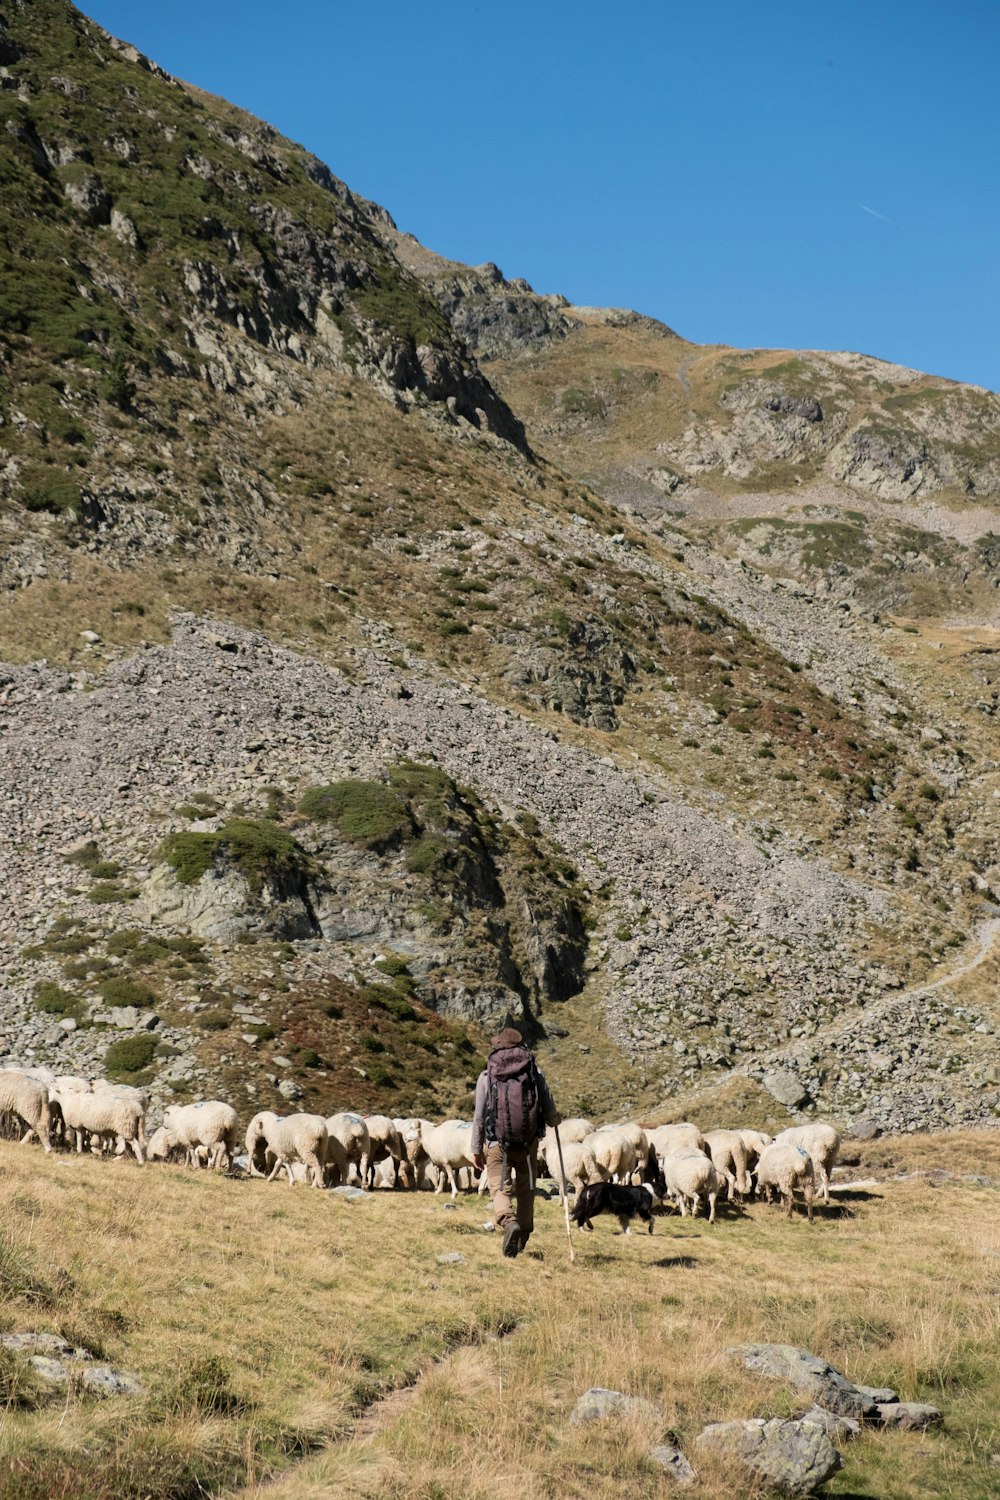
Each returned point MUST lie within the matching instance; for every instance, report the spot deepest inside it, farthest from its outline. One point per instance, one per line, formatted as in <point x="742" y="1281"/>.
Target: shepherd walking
<point x="513" y="1107"/>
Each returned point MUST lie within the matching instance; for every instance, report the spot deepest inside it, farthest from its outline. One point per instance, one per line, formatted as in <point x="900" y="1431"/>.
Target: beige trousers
<point x="521" y="1165"/>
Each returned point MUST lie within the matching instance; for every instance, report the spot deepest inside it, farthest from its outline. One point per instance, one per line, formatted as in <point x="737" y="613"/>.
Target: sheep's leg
<point x="788" y="1205"/>
<point x="808" y="1194"/>
<point x="313" y="1163"/>
<point x="439" y="1180"/>
<point x="452" y="1182"/>
<point x="278" y="1164"/>
<point x="711" y="1207"/>
<point x="825" y="1180"/>
<point x="137" y="1148"/>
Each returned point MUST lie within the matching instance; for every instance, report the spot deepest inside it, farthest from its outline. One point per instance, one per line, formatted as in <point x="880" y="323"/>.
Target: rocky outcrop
<point x="584" y="673"/>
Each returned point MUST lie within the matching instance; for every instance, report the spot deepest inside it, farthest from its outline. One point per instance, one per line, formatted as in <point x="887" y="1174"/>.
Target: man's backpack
<point x="514" y="1110"/>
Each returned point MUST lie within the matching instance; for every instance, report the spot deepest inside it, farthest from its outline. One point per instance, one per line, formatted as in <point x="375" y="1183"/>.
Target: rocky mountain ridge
<point x="680" y="788"/>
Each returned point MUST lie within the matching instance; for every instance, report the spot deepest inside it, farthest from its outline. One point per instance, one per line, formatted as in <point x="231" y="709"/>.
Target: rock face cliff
<point x="358" y="695"/>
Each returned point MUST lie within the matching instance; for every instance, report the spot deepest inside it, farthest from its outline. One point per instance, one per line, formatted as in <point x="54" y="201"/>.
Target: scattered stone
<point x="809" y="1374"/>
<point x="673" y="1463"/>
<point x="91" y="637"/>
<point x="879" y="1393"/>
<point x="102" y="1380"/>
<point x="793" y="1457"/>
<point x="599" y="1402"/>
<point x="782" y="1084"/>
<point x="48" y="1343"/>
<point x="47" y="1369"/>
<point x="909" y="1416"/>
<point x="452" y="1258"/>
<point x="351" y="1194"/>
<point x="289" y="1089"/>
<point x="837" y="1428"/>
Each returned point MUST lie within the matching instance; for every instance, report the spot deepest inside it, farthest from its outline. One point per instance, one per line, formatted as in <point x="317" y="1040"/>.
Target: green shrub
<point x="124" y="1059"/>
<point x="828" y="773"/>
<point x="122" y="991"/>
<point x="213" y="1020"/>
<point x="18" y="1383"/>
<point x="370" y="1043"/>
<point x="260" y="850"/>
<point x="107" y="892"/>
<point x="426" y="855"/>
<point x="392" y="965"/>
<point x="307" y="1058"/>
<point x="53" y="1001"/>
<point x="454" y="627"/>
<point x="265" y="1033"/>
<point x="366" y="812"/>
<point x="49" y="489"/>
<point x="929" y="793"/>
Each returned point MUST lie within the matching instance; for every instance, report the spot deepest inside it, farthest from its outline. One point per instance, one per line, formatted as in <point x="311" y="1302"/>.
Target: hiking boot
<point x="512" y="1240"/>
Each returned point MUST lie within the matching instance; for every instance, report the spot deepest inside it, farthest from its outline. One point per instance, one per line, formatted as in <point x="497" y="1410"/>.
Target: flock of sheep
<point x="415" y="1153"/>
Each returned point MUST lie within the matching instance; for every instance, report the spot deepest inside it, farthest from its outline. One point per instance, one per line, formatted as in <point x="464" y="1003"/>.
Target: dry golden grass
<point x="324" y="1314"/>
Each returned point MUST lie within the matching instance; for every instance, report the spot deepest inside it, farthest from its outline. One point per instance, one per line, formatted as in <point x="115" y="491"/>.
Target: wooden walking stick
<point x="565" y="1195"/>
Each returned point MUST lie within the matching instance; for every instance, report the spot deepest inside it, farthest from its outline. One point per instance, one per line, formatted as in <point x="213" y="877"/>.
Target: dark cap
<point x="506" y="1038"/>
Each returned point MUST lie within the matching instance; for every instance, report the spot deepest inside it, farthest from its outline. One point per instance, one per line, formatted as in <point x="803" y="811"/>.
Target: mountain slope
<point x="275" y="530"/>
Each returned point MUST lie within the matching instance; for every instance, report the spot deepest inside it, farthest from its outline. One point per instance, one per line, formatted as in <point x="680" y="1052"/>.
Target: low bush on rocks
<point x="52" y="1000"/>
<point x="126" y="1059"/>
<point x="261" y="851"/>
<point x="366" y="812"/>
<point x="122" y="991"/>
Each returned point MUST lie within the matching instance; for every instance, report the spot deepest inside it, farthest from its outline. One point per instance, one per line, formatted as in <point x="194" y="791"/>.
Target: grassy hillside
<point x="291" y="1340"/>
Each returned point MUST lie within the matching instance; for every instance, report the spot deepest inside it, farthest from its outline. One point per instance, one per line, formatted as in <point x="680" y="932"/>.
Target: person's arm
<point x="479" y="1121"/>
<point x="549" y="1111"/>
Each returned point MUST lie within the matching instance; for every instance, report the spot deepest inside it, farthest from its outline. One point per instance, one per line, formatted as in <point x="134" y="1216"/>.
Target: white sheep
<point x="637" y="1135"/>
<point x="106" y="1116"/>
<point x="609" y="1153"/>
<point x="787" y="1167"/>
<point x="411" y="1133"/>
<point x="754" y="1141"/>
<point x="163" y="1147"/>
<point x="574" y="1163"/>
<point x="673" y="1140"/>
<point x="822" y="1143"/>
<point x="336" y="1165"/>
<point x="574" y="1131"/>
<point x="283" y="1139"/>
<point x="729" y="1157"/>
<point x="449" y="1147"/>
<point x="385" y="1146"/>
<point x="26" y="1099"/>
<point x="691" y="1178"/>
<point x="211" y="1124"/>
<point x="352" y="1133"/>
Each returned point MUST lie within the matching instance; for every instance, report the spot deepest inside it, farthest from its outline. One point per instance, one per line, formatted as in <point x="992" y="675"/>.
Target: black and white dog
<point x="618" y="1198"/>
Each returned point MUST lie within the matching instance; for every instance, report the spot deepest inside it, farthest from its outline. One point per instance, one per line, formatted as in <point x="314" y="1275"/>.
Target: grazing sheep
<point x="336" y="1159"/>
<point x="449" y="1147"/>
<point x="26" y="1099"/>
<point x="637" y="1135"/>
<point x="754" y="1141"/>
<point x="352" y="1133"/>
<point x="574" y="1162"/>
<point x="571" y="1132"/>
<point x="411" y="1134"/>
<point x="163" y="1147"/>
<point x="822" y="1143"/>
<point x="385" y="1146"/>
<point x="729" y="1157"/>
<point x="283" y="1139"/>
<point x="609" y="1154"/>
<point x="106" y="1117"/>
<point x="211" y="1124"/>
<point x="787" y="1167"/>
<point x="674" y="1140"/>
<point x="691" y="1177"/>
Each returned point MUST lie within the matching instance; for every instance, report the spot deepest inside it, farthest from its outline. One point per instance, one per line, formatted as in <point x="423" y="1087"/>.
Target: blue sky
<point x="794" y="175"/>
